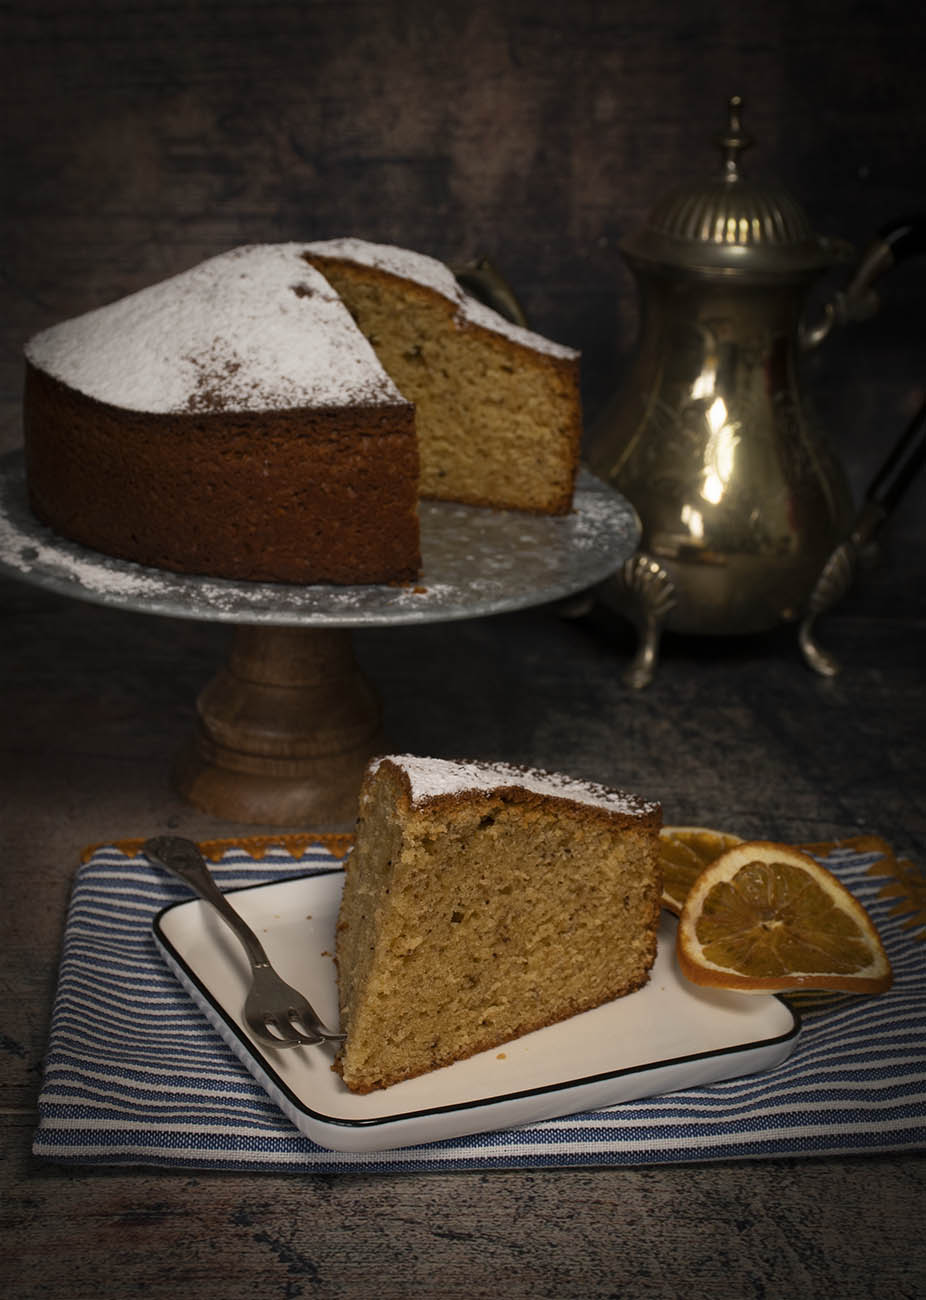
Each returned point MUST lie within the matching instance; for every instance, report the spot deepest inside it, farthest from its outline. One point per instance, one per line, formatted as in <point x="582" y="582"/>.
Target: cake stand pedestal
<point x="284" y="729"/>
<point x="286" y="726"/>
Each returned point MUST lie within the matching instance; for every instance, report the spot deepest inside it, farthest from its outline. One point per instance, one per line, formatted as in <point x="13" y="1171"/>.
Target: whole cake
<point x="235" y="421"/>
<point x="483" y="901"/>
<point x="498" y="408"/>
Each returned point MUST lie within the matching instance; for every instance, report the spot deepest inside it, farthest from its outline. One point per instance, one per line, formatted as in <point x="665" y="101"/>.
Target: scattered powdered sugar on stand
<point x="477" y="562"/>
<point x="29" y="557"/>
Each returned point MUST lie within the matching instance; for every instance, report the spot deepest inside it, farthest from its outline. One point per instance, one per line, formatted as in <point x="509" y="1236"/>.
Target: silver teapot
<point x="747" y="518"/>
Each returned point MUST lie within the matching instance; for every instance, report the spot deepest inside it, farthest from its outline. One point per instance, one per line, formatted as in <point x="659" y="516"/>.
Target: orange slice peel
<point x="767" y="918"/>
<point x="684" y="852"/>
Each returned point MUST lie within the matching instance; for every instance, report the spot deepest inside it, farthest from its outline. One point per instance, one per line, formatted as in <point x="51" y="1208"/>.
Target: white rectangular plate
<point x="668" y="1035"/>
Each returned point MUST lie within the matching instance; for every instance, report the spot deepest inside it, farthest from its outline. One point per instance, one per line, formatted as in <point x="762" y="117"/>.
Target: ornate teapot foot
<point x="642" y="591"/>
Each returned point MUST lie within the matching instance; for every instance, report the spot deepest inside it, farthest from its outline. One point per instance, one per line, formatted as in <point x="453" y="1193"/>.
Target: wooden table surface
<point x="97" y="701"/>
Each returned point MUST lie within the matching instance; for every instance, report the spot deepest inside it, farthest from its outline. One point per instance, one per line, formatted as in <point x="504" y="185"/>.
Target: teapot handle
<point x="895" y="242"/>
<point x="485" y="282"/>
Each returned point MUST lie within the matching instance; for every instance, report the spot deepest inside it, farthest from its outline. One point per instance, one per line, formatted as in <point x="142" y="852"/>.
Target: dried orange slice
<point x="764" y="918"/>
<point x="684" y="852"/>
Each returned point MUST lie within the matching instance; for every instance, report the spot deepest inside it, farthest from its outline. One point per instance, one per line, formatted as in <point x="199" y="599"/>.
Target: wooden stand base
<point x="285" y="730"/>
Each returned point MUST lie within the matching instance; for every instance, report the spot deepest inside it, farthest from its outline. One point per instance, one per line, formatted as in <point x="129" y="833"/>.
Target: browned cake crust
<point x="471" y="917"/>
<point x="293" y="495"/>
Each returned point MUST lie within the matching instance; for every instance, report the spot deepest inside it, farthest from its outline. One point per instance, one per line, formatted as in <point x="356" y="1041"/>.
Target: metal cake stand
<point x="288" y="722"/>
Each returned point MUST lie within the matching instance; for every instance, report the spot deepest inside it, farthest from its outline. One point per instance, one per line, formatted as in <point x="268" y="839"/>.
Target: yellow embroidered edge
<point x="338" y="845"/>
<point x="907" y="883"/>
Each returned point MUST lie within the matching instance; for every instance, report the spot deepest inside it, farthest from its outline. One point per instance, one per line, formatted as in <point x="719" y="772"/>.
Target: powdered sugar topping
<point x="431" y="778"/>
<point x="253" y="329"/>
<point x="431" y="273"/>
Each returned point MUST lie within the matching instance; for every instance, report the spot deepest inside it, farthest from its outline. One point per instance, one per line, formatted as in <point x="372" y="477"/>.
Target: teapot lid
<point x="730" y="225"/>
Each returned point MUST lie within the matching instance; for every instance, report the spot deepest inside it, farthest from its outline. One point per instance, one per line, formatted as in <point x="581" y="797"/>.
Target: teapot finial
<point x="735" y="141"/>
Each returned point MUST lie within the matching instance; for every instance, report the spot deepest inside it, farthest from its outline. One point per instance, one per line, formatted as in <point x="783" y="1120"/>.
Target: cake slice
<point x="483" y="901"/>
<point x="498" y="408"/>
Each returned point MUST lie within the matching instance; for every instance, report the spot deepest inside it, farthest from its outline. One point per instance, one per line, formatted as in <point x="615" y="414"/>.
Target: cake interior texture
<point x="498" y="421"/>
<point x="471" y="918"/>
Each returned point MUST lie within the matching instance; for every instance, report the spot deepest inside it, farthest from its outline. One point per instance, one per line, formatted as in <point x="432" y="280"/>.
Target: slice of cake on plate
<point x="483" y="901"/>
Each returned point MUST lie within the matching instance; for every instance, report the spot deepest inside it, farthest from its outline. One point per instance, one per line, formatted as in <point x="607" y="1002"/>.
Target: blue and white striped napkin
<point x="169" y="1092"/>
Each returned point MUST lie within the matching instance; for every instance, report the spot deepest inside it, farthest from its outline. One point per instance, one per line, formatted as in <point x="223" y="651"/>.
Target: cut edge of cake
<point x="430" y="273"/>
<point x="498" y="407"/>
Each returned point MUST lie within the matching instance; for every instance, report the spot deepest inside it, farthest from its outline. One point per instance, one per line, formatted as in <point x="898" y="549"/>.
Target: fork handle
<point x="183" y="859"/>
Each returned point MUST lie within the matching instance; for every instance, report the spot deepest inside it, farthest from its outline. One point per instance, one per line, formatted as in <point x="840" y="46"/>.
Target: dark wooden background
<point x="141" y="136"/>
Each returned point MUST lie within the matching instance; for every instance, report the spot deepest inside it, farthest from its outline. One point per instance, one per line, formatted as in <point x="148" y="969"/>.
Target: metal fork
<point x="274" y="1012"/>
